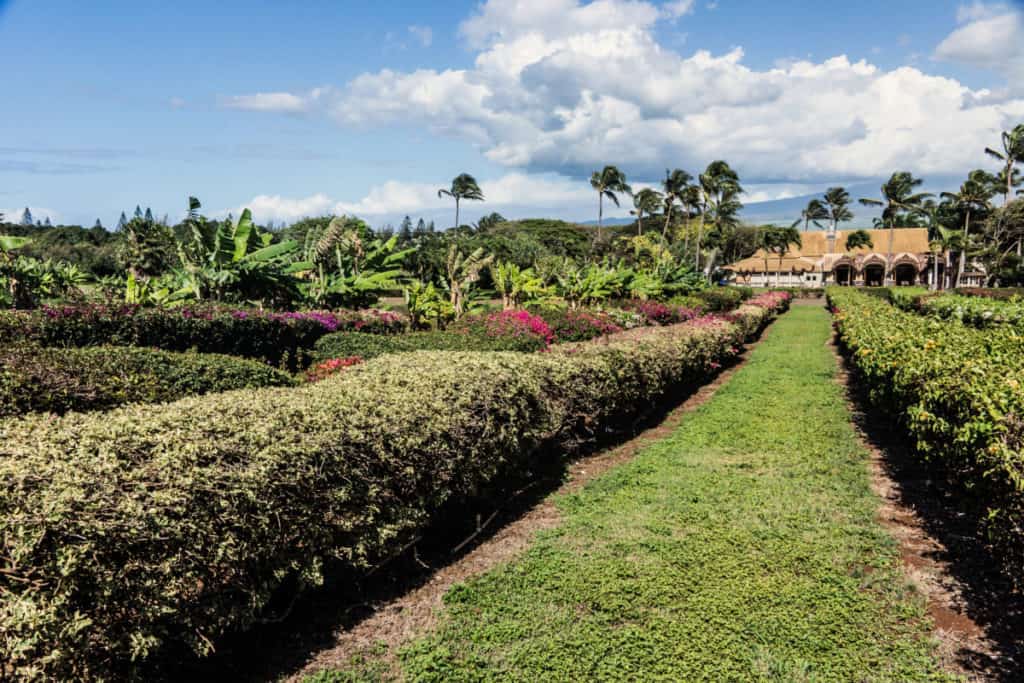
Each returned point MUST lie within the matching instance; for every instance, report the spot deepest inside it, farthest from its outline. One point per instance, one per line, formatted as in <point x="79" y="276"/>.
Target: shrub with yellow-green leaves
<point x="149" y="526"/>
<point x="959" y="392"/>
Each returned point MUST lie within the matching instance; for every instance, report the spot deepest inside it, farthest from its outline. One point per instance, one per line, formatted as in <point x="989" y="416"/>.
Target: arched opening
<point x="844" y="275"/>
<point x="873" y="275"/>
<point x="905" y="274"/>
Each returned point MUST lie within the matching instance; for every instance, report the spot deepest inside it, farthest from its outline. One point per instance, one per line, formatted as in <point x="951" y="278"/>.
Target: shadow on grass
<point x="280" y="649"/>
<point x="986" y="595"/>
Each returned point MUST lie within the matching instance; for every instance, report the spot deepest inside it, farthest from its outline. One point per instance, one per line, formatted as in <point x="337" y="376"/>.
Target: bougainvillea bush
<point x="658" y="313"/>
<point x="274" y="337"/>
<point x="959" y="393"/>
<point x="514" y="327"/>
<point x="174" y="524"/>
<point x="569" y="325"/>
<point x="56" y="380"/>
<point x="333" y="366"/>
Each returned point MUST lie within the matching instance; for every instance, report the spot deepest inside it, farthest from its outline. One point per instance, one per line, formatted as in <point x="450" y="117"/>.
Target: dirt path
<point x="395" y="622"/>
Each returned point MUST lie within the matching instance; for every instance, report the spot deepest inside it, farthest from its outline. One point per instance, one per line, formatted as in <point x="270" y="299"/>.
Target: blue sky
<point x="298" y="108"/>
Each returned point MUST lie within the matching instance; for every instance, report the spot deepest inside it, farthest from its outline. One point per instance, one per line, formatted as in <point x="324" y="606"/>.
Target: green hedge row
<point x="56" y="380"/>
<point x="279" y="338"/>
<point x="959" y="393"/>
<point x="145" y="527"/>
<point x="366" y="346"/>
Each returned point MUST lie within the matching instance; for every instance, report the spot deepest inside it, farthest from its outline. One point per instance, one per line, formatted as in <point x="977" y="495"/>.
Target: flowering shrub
<point x="330" y="367"/>
<point x="515" y="327"/>
<point x="658" y="313"/>
<point x="956" y="390"/>
<point x="275" y="337"/>
<point x="579" y="325"/>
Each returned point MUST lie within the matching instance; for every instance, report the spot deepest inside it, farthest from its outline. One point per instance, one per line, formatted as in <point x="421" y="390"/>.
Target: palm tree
<point x="691" y="201"/>
<point x="780" y="241"/>
<point x="609" y="183"/>
<point x="645" y="201"/>
<point x="858" y="239"/>
<point x="898" y="197"/>
<point x="1013" y="152"/>
<point x="837" y="201"/>
<point x="464" y="186"/>
<point x="974" y="195"/>
<point x="815" y="211"/>
<point x="719" y="188"/>
<point x="674" y="186"/>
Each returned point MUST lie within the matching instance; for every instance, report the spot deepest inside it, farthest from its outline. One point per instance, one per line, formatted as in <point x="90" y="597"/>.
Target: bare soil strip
<point x="395" y="622"/>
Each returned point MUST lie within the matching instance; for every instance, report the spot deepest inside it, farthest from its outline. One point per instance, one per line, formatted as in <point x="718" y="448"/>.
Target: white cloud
<point x="979" y="10"/>
<point x="279" y="102"/>
<point x="677" y="8"/>
<point x="513" y="193"/>
<point x="563" y="86"/>
<point x="424" y="34"/>
<point x="992" y="37"/>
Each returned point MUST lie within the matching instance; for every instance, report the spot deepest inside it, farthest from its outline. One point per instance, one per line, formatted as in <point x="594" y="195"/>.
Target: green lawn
<point x="743" y="547"/>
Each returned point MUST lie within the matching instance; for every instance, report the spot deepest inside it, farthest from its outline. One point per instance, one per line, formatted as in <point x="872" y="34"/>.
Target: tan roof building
<point x="823" y="259"/>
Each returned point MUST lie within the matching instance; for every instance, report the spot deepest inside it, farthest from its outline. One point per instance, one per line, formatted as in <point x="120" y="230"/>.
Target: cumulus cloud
<point x="991" y="37"/>
<point x="566" y="86"/>
<point x="515" y="193"/>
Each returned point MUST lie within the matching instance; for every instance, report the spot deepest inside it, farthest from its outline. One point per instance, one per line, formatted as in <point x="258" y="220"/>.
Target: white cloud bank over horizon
<point x="561" y="87"/>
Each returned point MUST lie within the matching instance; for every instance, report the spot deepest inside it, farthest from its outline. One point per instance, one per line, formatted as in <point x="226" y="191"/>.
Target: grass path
<point x="743" y="547"/>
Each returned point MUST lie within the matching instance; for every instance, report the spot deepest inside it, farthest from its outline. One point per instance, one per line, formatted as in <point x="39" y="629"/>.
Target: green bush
<point x="959" y="393"/>
<point x="720" y="299"/>
<point x="55" y="380"/>
<point x="147" y="526"/>
<point x="279" y="338"/>
<point x="366" y="346"/>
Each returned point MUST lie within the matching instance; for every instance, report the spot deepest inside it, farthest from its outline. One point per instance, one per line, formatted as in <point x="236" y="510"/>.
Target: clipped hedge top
<point x="56" y="380"/>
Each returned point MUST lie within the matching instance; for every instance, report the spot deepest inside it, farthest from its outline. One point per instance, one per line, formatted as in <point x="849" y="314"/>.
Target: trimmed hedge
<point x="126" y="532"/>
<point x="959" y="393"/>
<point x="505" y="331"/>
<point x="972" y="310"/>
<point x="722" y="299"/>
<point x="279" y="338"/>
<point x="38" y="379"/>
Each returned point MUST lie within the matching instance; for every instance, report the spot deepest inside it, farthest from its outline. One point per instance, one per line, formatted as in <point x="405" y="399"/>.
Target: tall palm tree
<point x="974" y="195"/>
<point x="837" y="201"/>
<point x="609" y="183"/>
<point x="719" y="189"/>
<point x="464" y="186"/>
<point x="815" y="211"/>
<point x="645" y="201"/>
<point x="1013" y="153"/>
<point x="898" y="197"/>
<point x="674" y="186"/>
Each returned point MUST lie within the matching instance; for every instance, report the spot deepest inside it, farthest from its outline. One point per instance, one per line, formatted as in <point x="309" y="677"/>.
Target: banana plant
<point x="517" y="286"/>
<point x="427" y="305"/>
<point x="340" y="267"/>
<point x="235" y="262"/>
<point x="463" y="271"/>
